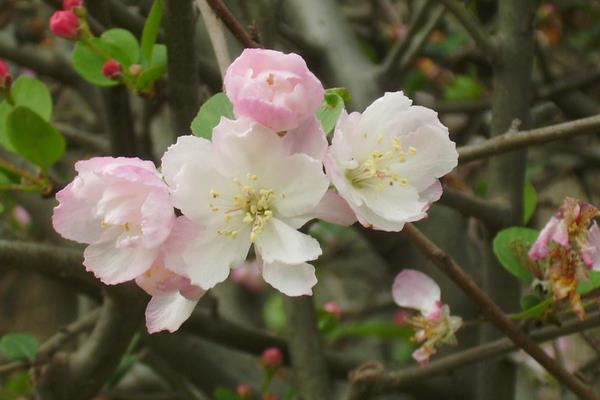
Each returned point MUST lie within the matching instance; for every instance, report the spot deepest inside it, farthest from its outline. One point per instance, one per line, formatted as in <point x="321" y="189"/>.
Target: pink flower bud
<point x="135" y="69"/>
<point x="4" y="74"/>
<point x="71" y="4"/>
<point x="272" y="358"/>
<point x="65" y="24"/>
<point x="244" y="390"/>
<point x="333" y="308"/>
<point x="112" y="69"/>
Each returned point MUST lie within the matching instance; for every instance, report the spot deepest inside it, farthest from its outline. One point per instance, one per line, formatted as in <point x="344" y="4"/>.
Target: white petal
<point x="334" y="209"/>
<point x="396" y="203"/>
<point x="188" y="150"/>
<point x="307" y="138"/>
<point x="167" y="311"/>
<point x="413" y="289"/>
<point x="158" y="218"/>
<point x="280" y="242"/>
<point x="292" y="280"/>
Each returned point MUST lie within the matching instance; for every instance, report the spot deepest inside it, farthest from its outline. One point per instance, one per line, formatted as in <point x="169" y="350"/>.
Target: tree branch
<point x="511" y="141"/>
<point x="472" y="25"/>
<point x="304" y="340"/>
<point x="232" y="23"/>
<point x="494" y="213"/>
<point x="493" y="312"/>
<point x="379" y="381"/>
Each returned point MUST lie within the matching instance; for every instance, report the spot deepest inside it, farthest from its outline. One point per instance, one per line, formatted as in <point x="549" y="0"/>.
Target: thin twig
<point x="472" y="25"/>
<point x="493" y="312"/>
<point x="521" y="139"/>
<point x="387" y="380"/>
<point x="493" y="213"/>
<point x="232" y="23"/>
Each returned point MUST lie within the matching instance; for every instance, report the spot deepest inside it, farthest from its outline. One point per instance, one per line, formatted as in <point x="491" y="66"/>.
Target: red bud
<point x="65" y="24"/>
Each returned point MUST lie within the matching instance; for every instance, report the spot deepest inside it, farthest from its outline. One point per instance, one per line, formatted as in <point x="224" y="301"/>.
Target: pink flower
<point x="244" y="390"/>
<point x="120" y="207"/>
<point x="333" y="308"/>
<point x="273" y="88"/>
<point x="65" y="24"/>
<point x="591" y="251"/>
<point x="71" y="4"/>
<point x="435" y="325"/>
<point x="386" y="162"/>
<point x="112" y="69"/>
<point x="555" y="231"/>
<point x="272" y="358"/>
<point x="4" y="74"/>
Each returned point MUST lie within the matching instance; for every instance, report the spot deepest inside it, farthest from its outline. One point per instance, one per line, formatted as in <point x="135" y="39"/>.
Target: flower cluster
<point x="255" y="183"/>
<point x="567" y="248"/>
<point x="434" y="325"/>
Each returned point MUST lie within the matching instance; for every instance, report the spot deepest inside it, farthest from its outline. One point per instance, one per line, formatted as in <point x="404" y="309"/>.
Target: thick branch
<point x="387" y="380"/>
<point x="472" y="25"/>
<point x="308" y="360"/>
<point x="232" y="23"/>
<point x="493" y="312"/>
<point x="495" y="214"/>
<point x="522" y="139"/>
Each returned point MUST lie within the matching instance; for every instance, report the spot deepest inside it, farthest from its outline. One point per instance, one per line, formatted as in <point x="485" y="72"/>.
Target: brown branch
<point x="521" y="139"/>
<point x="232" y="24"/>
<point x="493" y="213"/>
<point x="493" y="312"/>
<point x="384" y="381"/>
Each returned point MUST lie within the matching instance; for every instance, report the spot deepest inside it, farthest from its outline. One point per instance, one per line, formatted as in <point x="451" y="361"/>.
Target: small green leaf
<point x="530" y="300"/>
<point x="510" y="246"/>
<point x="222" y="393"/>
<point x="33" y="138"/>
<point x="330" y="111"/>
<point x="340" y="91"/>
<point x="19" y="346"/>
<point x="529" y="202"/>
<point x="380" y="329"/>
<point x="327" y="321"/>
<point x="591" y="284"/>
<point x="210" y="114"/>
<point x="151" y="28"/>
<point x="5" y="108"/>
<point x="159" y="55"/>
<point x="128" y="48"/>
<point x="463" y="87"/>
<point x="535" y="312"/>
<point x="33" y="94"/>
<point x="274" y="314"/>
<point x="17" y="386"/>
<point x="148" y="76"/>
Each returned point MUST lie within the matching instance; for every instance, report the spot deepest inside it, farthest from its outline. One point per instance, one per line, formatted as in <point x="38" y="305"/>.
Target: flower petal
<point x="292" y="280"/>
<point x="188" y="150"/>
<point x="74" y="218"/>
<point x="413" y="289"/>
<point x="280" y="242"/>
<point x="334" y="209"/>
<point x="167" y="311"/>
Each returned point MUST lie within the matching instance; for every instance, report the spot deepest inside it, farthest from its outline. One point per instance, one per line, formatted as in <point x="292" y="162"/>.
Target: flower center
<point x="376" y="171"/>
<point x="250" y="203"/>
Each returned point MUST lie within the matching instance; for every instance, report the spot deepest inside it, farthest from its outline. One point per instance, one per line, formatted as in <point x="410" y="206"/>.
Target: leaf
<point x="210" y="114"/>
<point x="5" y="108"/>
<point x="19" y="346"/>
<point x="383" y="330"/>
<point x="17" y="386"/>
<point x="274" y="314"/>
<point x="32" y="94"/>
<point x="159" y="55"/>
<point x="330" y="111"/>
<point x="593" y="283"/>
<point x="529" y="201"/>
<point x="530" y="300"/>
<point x="222" y="393"/>
<point x="151" y="29"/>
<point x="535" y="312"/>
<point x="33" y="138"/>
<point x="148" y="76"/>
<point x="128" y="48"/>
<point x="510" y="246"/>
<point x="340" y="91"/>
<point x="463" y="87"/>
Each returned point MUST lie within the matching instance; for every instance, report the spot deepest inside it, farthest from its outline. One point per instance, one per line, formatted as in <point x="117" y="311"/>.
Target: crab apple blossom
<point x="386" y="161"/>
<point x="275" y="89"/>
<point x="434" y="326"/>
<point x="173" y="296"/>
<point x="65" y="24"/>
<point x="121" y="208"/>
<point x="112" y="69"/>
<point x="246" y="189"/>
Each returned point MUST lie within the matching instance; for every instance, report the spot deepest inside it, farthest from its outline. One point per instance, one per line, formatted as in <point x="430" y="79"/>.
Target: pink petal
<point x="167" y="311"/>
<point x="334" y="209"/>
<point x="413" y="289"/>
<point x="291" y="280"/>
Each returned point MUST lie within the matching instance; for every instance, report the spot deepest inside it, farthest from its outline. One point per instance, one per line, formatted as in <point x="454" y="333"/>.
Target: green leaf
<point x="330" y="111"/>
<point x="535" y="312"/>
<point x="17" y="386"/>
<point x="2" y="208"/>
<point x="511" y="246"/>
<point x="530" y="300"/>
<point x="159" y="55"/>
<point x="222" y="393"/>
<point x="148" y="76"/>
<point x="340" y="91"/>
<point x="463" y="87"/>
<point x="591" y="284"/>
<point x="210" y="114"/>
<point x="529" y="202"/>
<point x="274" y="314"/>
<point x="33" y="138"/>
<point x="33" y="94"/>
<point x="128" y="48"/>
<point x="380" y="329"/>
<point x="19" y="346"/>
<point x="151" y="28"/>
<point x="5" y="108"/>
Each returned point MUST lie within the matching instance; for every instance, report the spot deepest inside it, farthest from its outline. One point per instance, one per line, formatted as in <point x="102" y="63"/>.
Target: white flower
<point x="386" y="161"/>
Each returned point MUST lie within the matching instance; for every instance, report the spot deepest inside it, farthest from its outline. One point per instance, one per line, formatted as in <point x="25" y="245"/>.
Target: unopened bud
<point x="244" y="390"/>
<point x="333" y="308"/>
<point x="272" y="358"/>
<point x="69" y="5"/>
<point x="4" y="75"/>
<point x="112" y="69"/>
<point x="135" y="69"/>
<point x="65" y="24"/>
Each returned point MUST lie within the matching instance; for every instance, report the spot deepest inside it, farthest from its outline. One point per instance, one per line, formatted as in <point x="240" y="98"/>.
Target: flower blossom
<point x="275" y="89"/>
<point x="65" y="24"/>
<point x="241" y="194"/>
<point x="120" y="207"/>
<point x="415" y="290"/>
<point x="386" y="161"/>
<point x="567" y="248"/>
